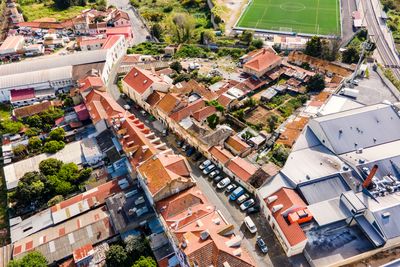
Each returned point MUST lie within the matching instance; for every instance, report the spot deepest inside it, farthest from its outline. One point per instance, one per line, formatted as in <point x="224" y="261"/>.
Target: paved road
<point x="139" y="30"/>
<point x="348" y="6"/>
<point x="372" y="17"/>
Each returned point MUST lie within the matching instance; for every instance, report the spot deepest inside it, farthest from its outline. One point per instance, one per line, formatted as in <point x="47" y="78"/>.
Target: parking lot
<point x="230" y="209"/>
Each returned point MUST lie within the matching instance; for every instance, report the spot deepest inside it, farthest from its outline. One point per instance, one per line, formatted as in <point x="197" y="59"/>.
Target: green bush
<point x="53" y="146"/>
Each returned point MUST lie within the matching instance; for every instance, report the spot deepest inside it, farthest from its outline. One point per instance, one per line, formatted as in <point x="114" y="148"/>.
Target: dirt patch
<point x="235" y="8"/>
<point x="259" y="116"/>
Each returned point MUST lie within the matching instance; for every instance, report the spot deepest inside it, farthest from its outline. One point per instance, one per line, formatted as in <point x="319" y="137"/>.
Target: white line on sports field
<point x="316" y="17"/>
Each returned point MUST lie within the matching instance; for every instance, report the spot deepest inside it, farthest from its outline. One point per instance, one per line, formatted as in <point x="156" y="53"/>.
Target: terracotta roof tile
<point x="241" y="168"/>
<point x="237" y="144"/>
<point x="220" y="154"/>
<point x="188" y="110"/>
<point x="289" y="199"/>
<point x="138" y="80"/>
<point x="204" y="113"/>
<point x="262" y="60"/>
<point x="168" y="103"/>
<point x="35" y="109"/>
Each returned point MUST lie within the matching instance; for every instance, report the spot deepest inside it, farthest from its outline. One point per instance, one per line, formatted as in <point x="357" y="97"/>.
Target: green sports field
<point x="320" y="17"/>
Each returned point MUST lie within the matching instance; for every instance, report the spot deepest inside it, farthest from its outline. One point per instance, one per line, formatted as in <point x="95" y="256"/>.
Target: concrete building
<point x="261" y="62"/>
<point x="12" y="45"/>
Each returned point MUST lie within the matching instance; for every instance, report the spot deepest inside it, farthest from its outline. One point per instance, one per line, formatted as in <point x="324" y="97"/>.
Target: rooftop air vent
<point x="276" y="208"/>
<point x="204" y="235"/>
<point x="272" y="199"/>
<point x="386" y="215"/>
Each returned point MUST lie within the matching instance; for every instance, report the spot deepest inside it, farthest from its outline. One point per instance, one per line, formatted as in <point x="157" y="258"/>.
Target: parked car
<point x="204" y="164"/>
<point x="250" y="224"/>
<point x="230" y="188"/>
<point x="185" y="147"/>
<point x="165" y="132"/>
<point x="223" y="183"/>
<point x="214" y="173"/>
<point x="243" y="198"/>
<point x="143" y="112"/>
<point x="197" y="156"/>
<point x="127" y="107"/>
<point x="190" y="151"/>
<point x="247" y="204"/>
<point x="236" y="193"/>
<point x="253" y="209"/>
<point x="180" y="143"/>
<point x="209" y="169"/>
<point x="217" y="178"/>
<point x="261" y="245"/>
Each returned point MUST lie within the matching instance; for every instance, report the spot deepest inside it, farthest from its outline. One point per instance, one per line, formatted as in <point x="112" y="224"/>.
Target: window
<point x="269" y="217"/>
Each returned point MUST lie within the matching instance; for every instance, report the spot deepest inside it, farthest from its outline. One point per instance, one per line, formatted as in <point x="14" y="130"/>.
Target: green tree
<point x="57" y="134"/>
<point x="19" y="150"/>
<point x="11" y="127"/>
<point x="350" y="55"/>
<point x="32" y="132"/>
<point x="84" y="174"/>
<point x="176" y="66"/>
<point x="213" y="121"/>
<point x="182" y="27"/>
<point x="55" y="200"/>
<point x="257" y="43"/>
<point x="156" y="30"/>
<point x="137" y="246"/>
<point x="272" y="122"/>
<point x="69" y="172"/>
<point x="59" y="186"/>
<point x="247" y="36"/>
<point x="207" y="36"/>
<point x="50" y="115"/>
<point x="34" y="143"/>
<point x="31" y="259"/>
<point x="280" y="154"/>
<point x="34" y="121"/>
<point x="116" y="256"/>
<point x="316" y="83"/>
<point x="30" y="188"/>
<point x="50" y="166"/>
<point x="314" y="47"/>
<point x="145" y="262"/>
<point x="53" y="146"/>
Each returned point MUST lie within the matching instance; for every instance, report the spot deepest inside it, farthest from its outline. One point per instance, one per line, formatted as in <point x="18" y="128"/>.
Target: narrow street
<point x="140" y="31"/>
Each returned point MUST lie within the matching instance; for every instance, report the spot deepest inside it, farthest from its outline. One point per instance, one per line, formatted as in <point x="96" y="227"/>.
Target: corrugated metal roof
<point x="357" y="128"/>
<point x="323" y="189"/>
<point x="53" y="61"/>
<point x="373" y="235"/>
<point x="329" y="211"/>
<point x="311" y="163"/>
<point x="35" y="77"/>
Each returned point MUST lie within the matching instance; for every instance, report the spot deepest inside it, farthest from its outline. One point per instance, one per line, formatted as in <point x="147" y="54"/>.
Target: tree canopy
<point x="316" y="83"/>
<point x="116" y="256"/>
<point x="31" y="259"/>
<point x="145" y="262"/>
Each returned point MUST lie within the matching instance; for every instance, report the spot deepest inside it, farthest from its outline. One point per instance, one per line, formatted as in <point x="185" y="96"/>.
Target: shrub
<point x="53" y="146"/>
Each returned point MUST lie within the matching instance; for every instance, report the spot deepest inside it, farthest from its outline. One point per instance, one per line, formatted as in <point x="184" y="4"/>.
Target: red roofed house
<point x="82" y="112"/>
<point x="199" y="233"/>
<point x="121" y="19"/>
<point x="125" y="31"/>
<point x="237" y="146"/>
<point x="101" y="107"/>
<point x="202" y="114"/>
<point x="164" y="175"/>
<point x="139" y="84"/>
<point x="89" y="83"/>
<point x="241" y="170"/>
<point x="220" y="155"/>
<point x="282" y="208"/>
<point x="116" y="47"/>
<point x="261" y="62"/>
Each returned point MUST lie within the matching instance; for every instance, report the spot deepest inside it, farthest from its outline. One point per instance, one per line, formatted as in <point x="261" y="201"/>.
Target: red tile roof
<point x="161" y="170"/>
<point x="35" y="108"/>
<point x="82" y="112"/>
<point x="93" y="41"/>
<point x="127" y="31"/>
<point x="138" y="80"/>
<point x="168" y="103"/>
<point x="188" y="110"/>
<point x="290" y="200"/>
<point x="102" y="106"/>
<point x="204" y="113"/>
<point x="220" y="154"/>
<point x="237" y="144"/>
<point x="262" y="60"/>
<point x="241" y="168"/>
<point x="111" y="41"/>
<point x="90" y="82"/>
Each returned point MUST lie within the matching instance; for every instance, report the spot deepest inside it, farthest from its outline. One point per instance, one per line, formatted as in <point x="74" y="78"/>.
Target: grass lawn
<point x="34" y="10"/>
<point x="301" y="16"/>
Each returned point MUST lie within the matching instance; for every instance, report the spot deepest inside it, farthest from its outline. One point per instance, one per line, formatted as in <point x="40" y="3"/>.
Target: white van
<point x="250" y="224"/>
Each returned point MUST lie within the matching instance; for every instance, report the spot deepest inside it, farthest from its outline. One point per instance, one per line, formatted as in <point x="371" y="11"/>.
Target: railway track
<point x="389" y="57"/>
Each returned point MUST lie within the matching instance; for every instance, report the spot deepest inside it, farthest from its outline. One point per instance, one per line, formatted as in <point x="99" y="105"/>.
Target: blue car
<point x="236" y="193"/>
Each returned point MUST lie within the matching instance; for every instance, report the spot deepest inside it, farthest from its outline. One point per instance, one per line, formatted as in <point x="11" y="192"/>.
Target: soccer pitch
<point x="321" y="17"/>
